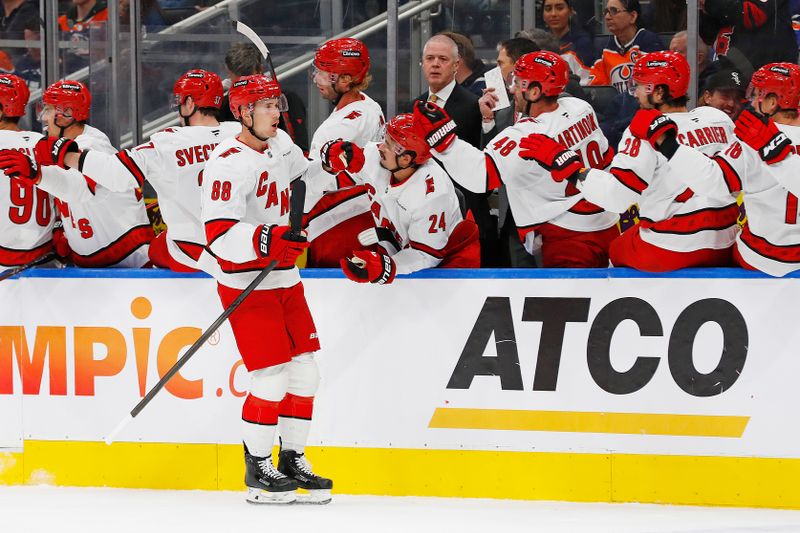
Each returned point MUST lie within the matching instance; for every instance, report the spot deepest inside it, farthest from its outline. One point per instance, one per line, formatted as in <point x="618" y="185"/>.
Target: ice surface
<point x="44" y="509"/>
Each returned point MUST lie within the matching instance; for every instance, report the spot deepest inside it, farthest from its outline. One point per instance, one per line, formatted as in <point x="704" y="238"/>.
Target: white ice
<point x="42" y="509"/>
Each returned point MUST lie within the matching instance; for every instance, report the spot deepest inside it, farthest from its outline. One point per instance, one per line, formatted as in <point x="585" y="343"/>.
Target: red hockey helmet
<point x="14" y="95"/>
<point x="343" y="56"/>
<point x="248" y="90"/>
<point x="663" y="68"/>
<point x="547" y="69"/>
<point x="782" y="79"/>
<point x="70" y="98"/>
<point x="203" y="86"/>
<point x="407" y="137"/>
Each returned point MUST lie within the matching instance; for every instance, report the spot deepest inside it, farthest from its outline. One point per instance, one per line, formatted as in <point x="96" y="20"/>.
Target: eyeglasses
<point x="613" y="11"/>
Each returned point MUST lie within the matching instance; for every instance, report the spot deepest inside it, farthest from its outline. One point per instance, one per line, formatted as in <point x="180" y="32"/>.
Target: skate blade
<point x="314" y="497"/>
<point x="264" y="497"/>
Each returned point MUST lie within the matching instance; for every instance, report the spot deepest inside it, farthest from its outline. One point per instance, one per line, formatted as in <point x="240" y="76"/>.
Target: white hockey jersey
<point x="672" y="216"/>
<point x="242" y="189"/>
<point x="171" y="162"/>
<point x="359" y="122"/>
<point x="103" y="228"/>
<point x="770" y="240"/>
<point x="421" y="212"/>
<point x="26" y="222"/>
<point x="533" y="196"/>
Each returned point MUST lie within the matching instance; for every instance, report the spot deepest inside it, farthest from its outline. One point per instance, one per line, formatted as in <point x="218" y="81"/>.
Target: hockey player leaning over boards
<point x="417" y="218"/>
<point x="759" y="162"/>
<point x="172" y="162"/>
<point x="574" y="232"/>
<point x="102" y="228"/>
<point x="679" y="226"/>
<point x="245" y="209"/>
<point x="26" y="232"/>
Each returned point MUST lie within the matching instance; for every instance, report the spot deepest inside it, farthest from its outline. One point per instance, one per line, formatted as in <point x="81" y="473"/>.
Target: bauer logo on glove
<point x="369" y="267"/>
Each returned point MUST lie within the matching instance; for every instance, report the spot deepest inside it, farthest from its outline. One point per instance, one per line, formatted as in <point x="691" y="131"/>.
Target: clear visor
<point x="633" y="84"/>
<point x="517" y="84"/>
<point x="392" y="144"/>
<point x="42" y="108"/>
<point x="321" y="77"/>
<point x="265" y="105"/>
<point x="753" y="93"/>
<point x="176" y="102"/>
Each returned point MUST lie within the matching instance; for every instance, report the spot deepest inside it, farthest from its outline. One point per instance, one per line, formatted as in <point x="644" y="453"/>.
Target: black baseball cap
<point x="726" y="79"/>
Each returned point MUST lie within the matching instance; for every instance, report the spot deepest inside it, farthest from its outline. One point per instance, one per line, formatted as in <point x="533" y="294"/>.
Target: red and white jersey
<point x="421" y="212"/>
<point x="171" y="162"/>
<point x="360" y="122"/>
<point x="104" y="228"/>
<point x="242" y="189"/>
<point x="770" y="240"/>
<point x="533" y="196"/>
<point x="672" y="216"/>
<point x="26" y="222"/>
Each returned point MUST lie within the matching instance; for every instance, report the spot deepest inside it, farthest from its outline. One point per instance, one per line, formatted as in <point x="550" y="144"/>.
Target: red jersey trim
<point x="128" y="162"/>
<point x="217" y="228"/>
<point x="433" y="252"/>
<point x="785" y="253"/>
<point x="493" y="180"/>
<point x="585" y="207"/>
<point x="191" y="249"/>
<point x="684" y="196"/>
<point x="630" y="179"/>
<point x="732" y="179"/>
<point x="711" y="218"/>
<point x="12" y="257"/>
<point x="117" y="250"/>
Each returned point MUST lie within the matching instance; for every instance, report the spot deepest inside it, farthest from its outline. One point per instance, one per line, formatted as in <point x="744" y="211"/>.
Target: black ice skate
<point x="264" y="483"/>
<point x="296" y="466"/>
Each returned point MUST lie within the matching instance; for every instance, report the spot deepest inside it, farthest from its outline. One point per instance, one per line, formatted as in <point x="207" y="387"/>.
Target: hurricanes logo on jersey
<point x="353" y="115"/>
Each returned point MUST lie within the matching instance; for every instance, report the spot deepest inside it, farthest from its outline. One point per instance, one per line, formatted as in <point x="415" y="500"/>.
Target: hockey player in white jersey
<point x="759" y="163"/>
<point x="103" y="228"/>
<point x="171" y="162"/>
<point x="26" y="224"/>
<point x="245" y="209"/>
<point x="416" y="213"/>
<point x="678" y="227"/>
<point x="574" y="233"/>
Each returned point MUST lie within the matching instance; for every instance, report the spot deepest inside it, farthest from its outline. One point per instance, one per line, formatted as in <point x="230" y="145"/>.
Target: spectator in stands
<point x="545" y="40"/>
<point x="13" y="16"/>
<point x="724" y="90"/>
<point x="80" y="17"/>
<point x="560" y="20"/>
<point x="680" y="44"/>
<point x="750" y="33"/>
<point x="244" y="60"/>
<point x="151" y="14"/>
<point x="439" y="66"/>
<point x="29" y="66"/>
<point x="470" y="69"/>
<point x="625" y="44"/>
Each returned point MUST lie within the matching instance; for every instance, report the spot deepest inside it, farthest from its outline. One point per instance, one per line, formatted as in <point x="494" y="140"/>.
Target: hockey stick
<point x="10" y="273"/>
<point x="295" y="220"/>
<point x="248" y="32"/>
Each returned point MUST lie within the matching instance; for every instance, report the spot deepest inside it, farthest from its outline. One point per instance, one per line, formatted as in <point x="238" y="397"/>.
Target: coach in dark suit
<point x="439" y="66"/>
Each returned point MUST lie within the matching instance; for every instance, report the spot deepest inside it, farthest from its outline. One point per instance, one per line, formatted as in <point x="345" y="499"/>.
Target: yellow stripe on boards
<point x="732" y="481"/>
<point x="586" y="422"/>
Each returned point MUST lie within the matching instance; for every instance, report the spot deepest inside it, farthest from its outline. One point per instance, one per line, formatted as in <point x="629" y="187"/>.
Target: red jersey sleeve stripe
<point x="91" y="184"/>
<point x="493" y="180"/>
<point x="732" y="179"/>
<point x="343" y="179"/>
<point x="216" y="228"/>
<point x="132" y="167"/>
<point x="433" y="252"/>
<point x="608" y="157"/>
<point x="629" y="179"/>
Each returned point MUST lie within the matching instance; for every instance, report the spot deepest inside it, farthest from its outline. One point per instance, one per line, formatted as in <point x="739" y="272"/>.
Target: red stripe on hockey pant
<point x="785" y="253"/>
<point x="463" y="248"/>
<point x="12" y="258"/>
<point x="117" y="250"/>
<point x="260" y="411"/>
<point x="629" y="179"/>
<point x="563" y="248"/>
<point x="216" y="228"/>
<point x="732" y="179"/>
<point x="132" y="167"/>
<point x="712" y="218"/>
<point x="297" y="406"/>
<point x="629" y="250"/>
